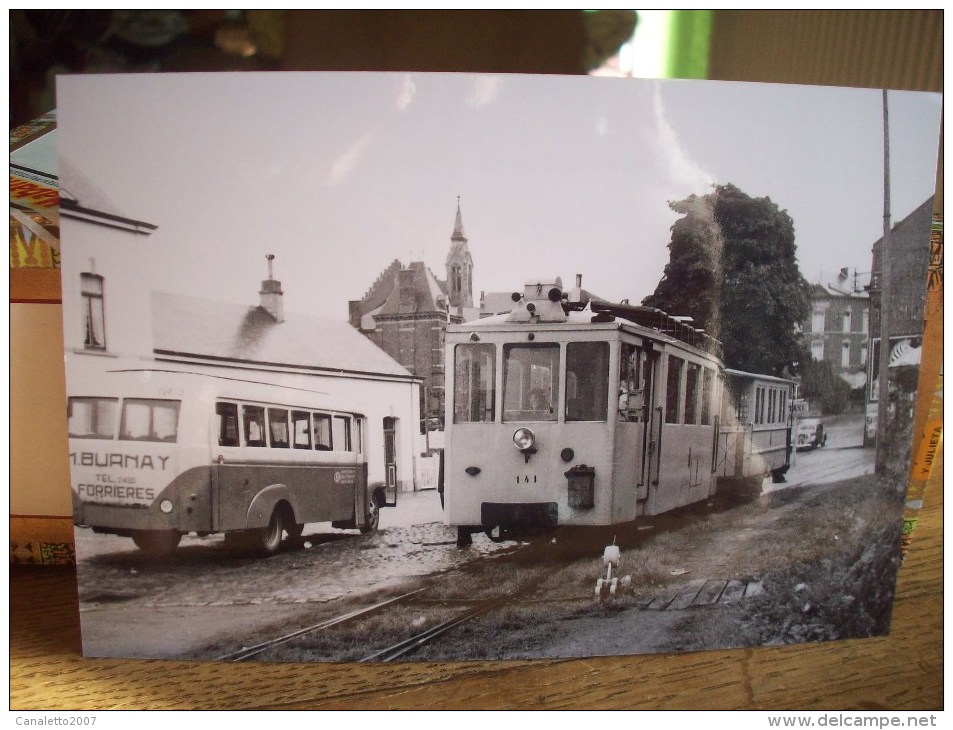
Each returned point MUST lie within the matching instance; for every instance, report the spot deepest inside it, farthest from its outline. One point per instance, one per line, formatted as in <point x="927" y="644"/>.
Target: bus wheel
<point x="269" y="538"/>
<point x="373" y="516"/>
<point x="156" y="543"/>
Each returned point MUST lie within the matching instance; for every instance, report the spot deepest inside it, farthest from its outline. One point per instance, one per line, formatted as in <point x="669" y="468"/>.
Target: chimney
<point x="271" y="294"/>
<point x="354" y="312"/>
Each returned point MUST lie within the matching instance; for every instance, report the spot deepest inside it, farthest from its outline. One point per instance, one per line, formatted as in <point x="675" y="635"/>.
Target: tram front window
<point x="530" y="382"/>
<point x="474" y="384"/>
<point x="587" y="381"/>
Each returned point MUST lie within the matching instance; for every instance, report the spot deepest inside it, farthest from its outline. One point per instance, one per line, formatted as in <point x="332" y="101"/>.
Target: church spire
<point x="458" y="234"/>
<point x="459" y="268"/>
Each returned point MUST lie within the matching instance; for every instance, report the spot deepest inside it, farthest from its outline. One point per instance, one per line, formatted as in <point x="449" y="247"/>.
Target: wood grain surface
<point x="902" y="671"/>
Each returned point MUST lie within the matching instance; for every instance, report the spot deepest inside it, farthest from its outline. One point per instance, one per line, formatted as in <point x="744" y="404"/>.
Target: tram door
<point x="390" y="461"/>
<point x="650" y="411"/>
<point x="636" y="426"/>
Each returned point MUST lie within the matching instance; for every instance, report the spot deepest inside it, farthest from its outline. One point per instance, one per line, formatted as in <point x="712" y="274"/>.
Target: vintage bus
<point x="159" y="453"/>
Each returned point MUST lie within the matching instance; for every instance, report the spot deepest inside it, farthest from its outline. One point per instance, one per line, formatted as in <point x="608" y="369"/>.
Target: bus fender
<point x="261" y="507"/>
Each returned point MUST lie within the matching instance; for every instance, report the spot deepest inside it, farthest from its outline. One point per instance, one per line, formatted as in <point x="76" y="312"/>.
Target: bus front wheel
<point x="156" y="543"/>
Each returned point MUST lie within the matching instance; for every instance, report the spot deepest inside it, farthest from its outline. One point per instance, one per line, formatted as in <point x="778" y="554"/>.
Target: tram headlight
<point x="524" y="439"/>
<point x="166" y="506"/>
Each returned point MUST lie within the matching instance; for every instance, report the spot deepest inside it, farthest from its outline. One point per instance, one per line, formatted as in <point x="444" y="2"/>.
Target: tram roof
<point x="756" y="376"/>
<point x="198" y="328"/>
<point x="598" y="312"/>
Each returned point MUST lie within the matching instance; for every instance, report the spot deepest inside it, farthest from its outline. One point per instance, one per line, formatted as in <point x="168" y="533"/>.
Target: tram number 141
<point x="526" y="479"/>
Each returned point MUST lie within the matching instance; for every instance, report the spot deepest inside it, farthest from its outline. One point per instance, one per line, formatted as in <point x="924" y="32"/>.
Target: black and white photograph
<point x="426" y="367"/>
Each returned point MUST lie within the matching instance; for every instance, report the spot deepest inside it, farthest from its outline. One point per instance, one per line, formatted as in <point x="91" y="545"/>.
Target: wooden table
<point x="902" y="671"/>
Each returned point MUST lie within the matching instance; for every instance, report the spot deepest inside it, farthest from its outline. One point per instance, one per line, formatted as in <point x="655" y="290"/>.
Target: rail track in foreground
<point x="394" y="651"/>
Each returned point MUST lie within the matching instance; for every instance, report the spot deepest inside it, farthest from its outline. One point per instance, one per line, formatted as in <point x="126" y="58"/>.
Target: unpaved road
<point x="205" y="593"/>
<point x="206" y="597"/>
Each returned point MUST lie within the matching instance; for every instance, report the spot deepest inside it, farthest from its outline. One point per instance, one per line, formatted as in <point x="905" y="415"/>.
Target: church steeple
<point x="459" y="268"/>
<point x="458" y="234"/>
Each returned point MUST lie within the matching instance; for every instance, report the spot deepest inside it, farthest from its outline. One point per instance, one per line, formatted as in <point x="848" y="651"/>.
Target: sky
<point x="338" y="174"/>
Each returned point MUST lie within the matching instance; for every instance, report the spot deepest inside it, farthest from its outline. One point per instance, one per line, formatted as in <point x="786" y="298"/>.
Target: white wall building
<point x="114" y="314"/>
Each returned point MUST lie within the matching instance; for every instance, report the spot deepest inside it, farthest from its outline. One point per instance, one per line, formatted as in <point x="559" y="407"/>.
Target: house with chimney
<point x="838" y="327"/>
<point x="116" y="316"/>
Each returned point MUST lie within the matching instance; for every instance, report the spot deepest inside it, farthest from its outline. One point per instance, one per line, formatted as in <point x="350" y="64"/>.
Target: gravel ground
<point x="131" y="605"/>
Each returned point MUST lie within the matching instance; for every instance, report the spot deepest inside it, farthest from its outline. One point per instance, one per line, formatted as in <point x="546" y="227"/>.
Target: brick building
<point x="837" y="330"/>
<point x="406" y="312"/>
<point x="909" y="261"/>
<point x="909" y="267"/>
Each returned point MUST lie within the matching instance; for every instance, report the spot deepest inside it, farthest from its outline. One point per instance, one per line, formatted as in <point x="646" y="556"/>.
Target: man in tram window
<point x="539" y="401"/>
<point x="631" y="404"/>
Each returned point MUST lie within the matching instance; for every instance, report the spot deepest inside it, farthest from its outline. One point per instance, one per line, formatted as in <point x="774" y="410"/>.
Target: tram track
<point x="392" y="652"/>
<point x="250" y="652"/>
<point x="410" y="645"/>
<point x="433" y="599"/>
<point x="464" y="610"/>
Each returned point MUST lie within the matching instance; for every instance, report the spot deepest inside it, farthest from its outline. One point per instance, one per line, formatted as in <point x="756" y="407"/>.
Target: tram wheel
<point x="495" y="533"/>
<point x="269" y="538"/>
<point x="156" y="543"/>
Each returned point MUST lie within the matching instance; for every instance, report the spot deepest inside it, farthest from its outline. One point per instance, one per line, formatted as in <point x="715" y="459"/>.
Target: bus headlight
<point x="166" y="506"/>
<point x="524" y="439"/>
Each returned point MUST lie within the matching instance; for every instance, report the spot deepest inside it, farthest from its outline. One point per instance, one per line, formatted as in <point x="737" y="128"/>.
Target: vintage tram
<point x="573" y="411"/>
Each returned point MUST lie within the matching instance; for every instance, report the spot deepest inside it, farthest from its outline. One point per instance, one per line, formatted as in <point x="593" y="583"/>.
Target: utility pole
<point x="883" y="392"/>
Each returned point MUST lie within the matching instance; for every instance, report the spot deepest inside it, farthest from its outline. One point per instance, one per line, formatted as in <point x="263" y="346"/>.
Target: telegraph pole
<point x="883" y="392"/>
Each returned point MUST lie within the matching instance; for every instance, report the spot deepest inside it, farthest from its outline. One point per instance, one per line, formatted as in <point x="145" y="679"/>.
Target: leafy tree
<point x="733" y="269"/>
<point x="820" y="383"/>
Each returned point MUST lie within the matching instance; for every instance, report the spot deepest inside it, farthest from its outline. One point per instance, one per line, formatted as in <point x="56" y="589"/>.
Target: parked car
<point x="810" y="434"/>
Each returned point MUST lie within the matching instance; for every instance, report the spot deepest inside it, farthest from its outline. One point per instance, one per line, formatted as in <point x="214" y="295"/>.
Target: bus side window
<point x="226" y="414"/>
<point x="278" y="428"/>
<point x="92" y="417"/>
<point x="254" y="421"/>
<point x="301" y="429"/>
<point x="322" y="432"/>
<point x="149" y="419"/>
<point x="357" y="435"/>
<point x="342" y="433"/>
